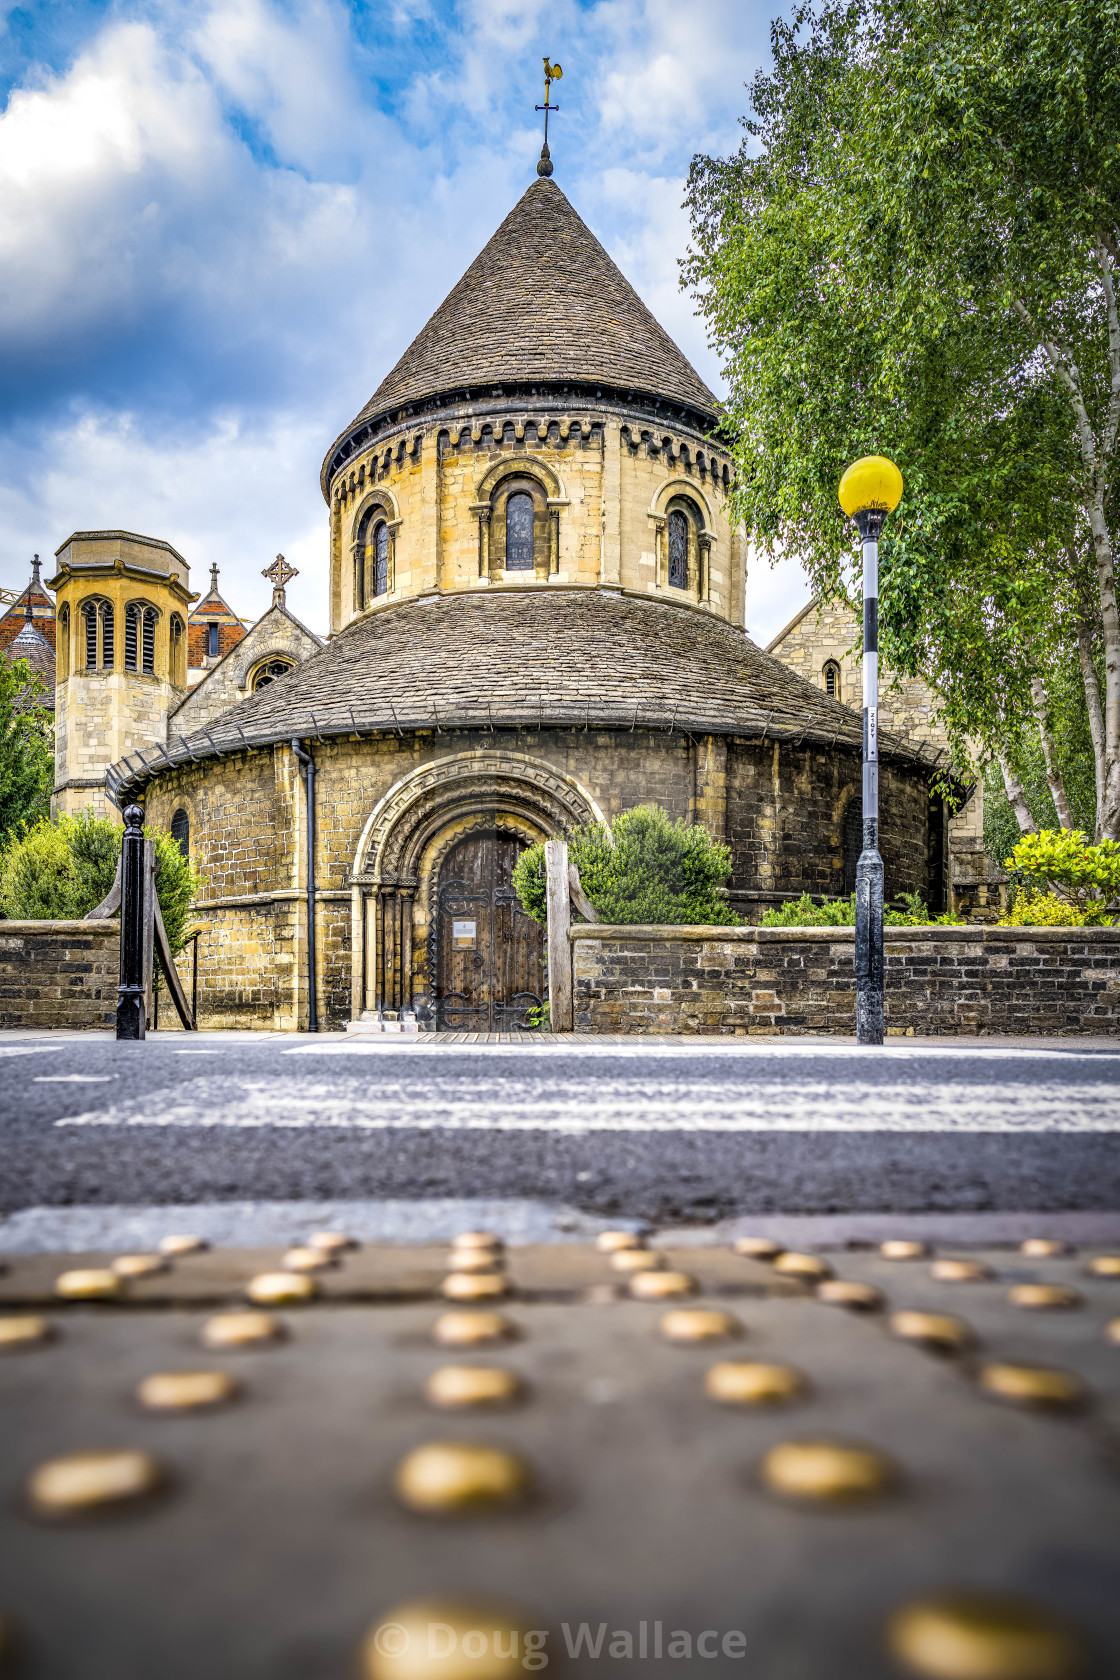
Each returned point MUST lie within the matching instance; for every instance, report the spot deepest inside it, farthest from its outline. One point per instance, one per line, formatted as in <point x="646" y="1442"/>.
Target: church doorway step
<point x="490" y="956"/>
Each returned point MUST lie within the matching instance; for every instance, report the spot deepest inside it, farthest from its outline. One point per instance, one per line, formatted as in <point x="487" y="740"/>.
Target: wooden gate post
<point x="559" y="945"/>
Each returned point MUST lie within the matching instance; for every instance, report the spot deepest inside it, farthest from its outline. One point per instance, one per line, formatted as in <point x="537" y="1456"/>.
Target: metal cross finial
<point x="552" y="73"/>
<point x="279" y="573"/>
<point x="31" y="588"/>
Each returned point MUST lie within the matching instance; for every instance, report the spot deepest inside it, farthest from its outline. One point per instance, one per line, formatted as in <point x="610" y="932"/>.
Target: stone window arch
<point x="267" y="671"/>
<point x="178" y="640"/>
<point x="832" y="679"/>
<point x="684" y="526"/>
<point x="374" y="553"/>
<point x="518" y="508"/>
<point x="181" y="832"/>
<point x="140" y="637"/>
<point x="98" y="626"/>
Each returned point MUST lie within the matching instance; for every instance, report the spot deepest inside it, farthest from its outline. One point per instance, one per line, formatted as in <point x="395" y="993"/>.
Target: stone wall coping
<point x="108" y="927"/>
<point x="978" y="933"/>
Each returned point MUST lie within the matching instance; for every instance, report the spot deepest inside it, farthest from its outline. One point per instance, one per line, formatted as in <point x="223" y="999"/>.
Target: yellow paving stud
<point x="810" y="1268"/>
<point x="473" y="1385"/>
<point x="959" y="1271"/>
<point x="1044" y="1248"/>
<point x="857" y="1297"/>
<point x="966" y="1636"/>
<point x="827" y="1472"/>
<point x="331" y="1242"/>
<point x="1045" y="1296"/>
<point x="455" y="1476"/>
<point x="476" y="1260"/>
<point x="94" y="1283"/>
<point x="27" y="1330"/>
<point x="699" y="1324"/>
<point x="175" y="1245"/>
<point x="1043" y="1386"/>
<point x="472" y="1329"/>
<point x="277" y="1289"/>
<point x="941" y="1332"/>
<point x="91" y="1481"/>
<point x="743" y="1383"/>
<point x="661" y="1286"/>
<point x="187" y="1391"/>
<point x="637" y="1260"/>
<point x="611" y="1242"/>
<point x="451" y="1639"/>
<point x="475" y="1286"/>
<point x="306" y="1259"/>
<point x="488" y="1240"/>
<point x="139" y="1265"/>
<point x="242" y="1330"/>
<point x="1104" y="1265"/>
<point x="899" y="1248"/>
<point x="757" y="1248"/>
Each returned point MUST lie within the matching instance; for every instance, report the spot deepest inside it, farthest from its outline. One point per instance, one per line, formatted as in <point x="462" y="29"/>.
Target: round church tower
<point x="536" y="607"/>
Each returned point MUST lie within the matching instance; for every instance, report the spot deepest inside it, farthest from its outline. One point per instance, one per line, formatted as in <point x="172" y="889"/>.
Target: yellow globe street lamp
<point x="870" y="490"/>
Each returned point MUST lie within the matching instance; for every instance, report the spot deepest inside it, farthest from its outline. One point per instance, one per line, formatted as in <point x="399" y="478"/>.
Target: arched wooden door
<point x="490" y="956"/>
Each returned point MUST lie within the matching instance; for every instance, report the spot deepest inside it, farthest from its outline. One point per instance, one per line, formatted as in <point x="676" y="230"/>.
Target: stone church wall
<point x="776" y="805"/>
<point x="735" y="981"/>
<point x="275" y="636"/>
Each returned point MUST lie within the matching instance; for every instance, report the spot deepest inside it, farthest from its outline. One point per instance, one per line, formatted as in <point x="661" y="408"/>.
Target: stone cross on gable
<point x="280" y="574"/>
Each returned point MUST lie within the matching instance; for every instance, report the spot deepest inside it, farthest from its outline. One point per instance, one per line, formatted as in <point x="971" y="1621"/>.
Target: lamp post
<point x="869" y="490"/>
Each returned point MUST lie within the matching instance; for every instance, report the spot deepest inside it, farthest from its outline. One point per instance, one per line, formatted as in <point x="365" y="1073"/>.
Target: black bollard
<point x="130" y="994"/>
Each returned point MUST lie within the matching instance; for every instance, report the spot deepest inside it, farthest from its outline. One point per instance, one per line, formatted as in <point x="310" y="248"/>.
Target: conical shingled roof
<point x="542" y="302"/>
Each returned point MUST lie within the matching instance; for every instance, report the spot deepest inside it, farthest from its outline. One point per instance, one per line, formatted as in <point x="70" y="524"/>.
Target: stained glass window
<point x="381" y="559"/>
<point x="678" y="551"/>
<point x="519" y="533"/>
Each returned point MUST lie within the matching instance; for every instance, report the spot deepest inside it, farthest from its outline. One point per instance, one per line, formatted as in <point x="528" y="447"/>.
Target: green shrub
<point x="1063" y="865"/>
<point x="1032" y="909"/>
<point x="58" y="872"/>
<point x="657" y="871"/>
<point x="841" y="912"/>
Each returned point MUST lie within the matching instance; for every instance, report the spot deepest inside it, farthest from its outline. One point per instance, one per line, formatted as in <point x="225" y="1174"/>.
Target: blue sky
<point x="221" y="223"/>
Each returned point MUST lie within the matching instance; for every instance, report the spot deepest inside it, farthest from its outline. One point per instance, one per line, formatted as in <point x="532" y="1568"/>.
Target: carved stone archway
<point x="405" y="839"/>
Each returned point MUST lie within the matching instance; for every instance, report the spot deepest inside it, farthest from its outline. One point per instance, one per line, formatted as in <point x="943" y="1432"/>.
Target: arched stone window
<point x="373" y="558"/>
<point x="678" y="549"/>
<point x="380" y="547"/>
<point x="181" y="832"/>
<point x="268" y="672"/>
<point x="178" y="643"/>
<point x="519" y="536"/>
<point x="97" y="620"/>
<point x="519" y="532"/>
<point x="832" y="679"/>
<point x="140" y="637"/>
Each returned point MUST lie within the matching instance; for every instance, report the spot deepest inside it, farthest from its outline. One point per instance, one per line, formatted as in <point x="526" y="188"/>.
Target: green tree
<point x="26" y="747"/>
<point x="645" y="869"/>
<point x="60" y="871"/>
<point x="916" y="252"/>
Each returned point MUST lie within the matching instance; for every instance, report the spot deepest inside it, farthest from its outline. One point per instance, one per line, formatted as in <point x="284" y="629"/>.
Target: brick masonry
<point x="980" y="980"/>
<point x="59" y="974"/>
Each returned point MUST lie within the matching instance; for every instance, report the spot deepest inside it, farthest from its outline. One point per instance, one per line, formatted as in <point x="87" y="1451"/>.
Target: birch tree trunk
<point x="1093" y="706"/>
<point x="1053" y="776"/>
<point x="1017" y="799"/>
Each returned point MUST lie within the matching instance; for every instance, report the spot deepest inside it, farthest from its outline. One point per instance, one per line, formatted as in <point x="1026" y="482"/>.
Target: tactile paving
<point x="652" y="1516"/>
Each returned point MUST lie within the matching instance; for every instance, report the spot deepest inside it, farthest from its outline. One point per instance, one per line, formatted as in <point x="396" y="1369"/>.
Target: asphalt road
<point x="649" y="1130"/>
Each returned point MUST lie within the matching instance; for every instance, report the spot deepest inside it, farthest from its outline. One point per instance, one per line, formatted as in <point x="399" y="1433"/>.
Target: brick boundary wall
<point x="801" y="980"/>
<point x="59" y="974"/>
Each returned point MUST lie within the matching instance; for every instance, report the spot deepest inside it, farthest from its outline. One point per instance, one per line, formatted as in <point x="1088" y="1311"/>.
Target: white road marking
<point x="73" y="1078"/>
<point x="661" y="1104"/>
